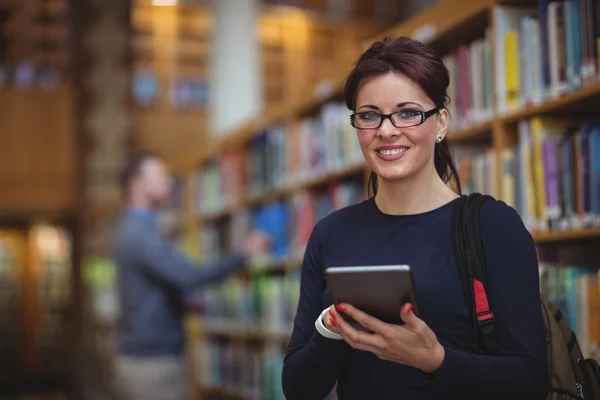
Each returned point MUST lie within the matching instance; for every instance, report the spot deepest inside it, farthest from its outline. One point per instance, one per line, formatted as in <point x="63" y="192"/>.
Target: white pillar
<point x="236" y="76"/>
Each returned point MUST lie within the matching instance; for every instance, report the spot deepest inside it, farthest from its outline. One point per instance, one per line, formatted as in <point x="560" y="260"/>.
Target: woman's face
<point x="397" y="153"/>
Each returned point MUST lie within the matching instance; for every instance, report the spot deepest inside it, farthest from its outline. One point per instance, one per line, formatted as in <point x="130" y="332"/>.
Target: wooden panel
<point x="443" y="21"/>
<point x="37" y="151"/>
<point x="173" y="134"/>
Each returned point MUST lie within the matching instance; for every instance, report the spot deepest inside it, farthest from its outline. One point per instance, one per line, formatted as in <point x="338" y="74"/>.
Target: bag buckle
<point x="485" y="321"/>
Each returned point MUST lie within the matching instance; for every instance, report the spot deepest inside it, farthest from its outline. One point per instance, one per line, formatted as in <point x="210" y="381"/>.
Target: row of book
<point x="266" y="302"/>
<point x="251" y="370"/>
<point x="552" y="177"/>
<point x="574" y="290"/>
<point x="26" y="75"/>
<point x="53" y="248"/>
<point x="288" y="221"/>
<point x="33" y="43"/>
<point x="220" y="183"/>
<point x="9" y="305"/>
<point x="100" y="275"/>
<point x="183" y="92"/>
<point x="279" y="158"/>
<point x="471" y="83"/>
<point x="178" y="195"/>
<point x="544" y="51"/>
<point x="476" y="167"/>
<point x="304" y="149"/>
<point x="247" y="369"/>
<point x="538" y="52"/>
<point x="46" y="276"/>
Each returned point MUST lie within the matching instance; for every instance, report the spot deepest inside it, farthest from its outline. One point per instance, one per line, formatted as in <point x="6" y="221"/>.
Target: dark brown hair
<point x="421" y="64"/>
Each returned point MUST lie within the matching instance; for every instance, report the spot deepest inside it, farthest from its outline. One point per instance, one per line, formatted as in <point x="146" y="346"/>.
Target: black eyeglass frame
<point x="382" y="117"/>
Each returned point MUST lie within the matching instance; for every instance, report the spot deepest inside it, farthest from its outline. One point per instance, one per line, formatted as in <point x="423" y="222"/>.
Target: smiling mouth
<point x="392" y="152"/>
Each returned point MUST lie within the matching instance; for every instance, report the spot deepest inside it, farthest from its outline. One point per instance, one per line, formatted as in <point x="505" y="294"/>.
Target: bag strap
<point x="470" y="258"/>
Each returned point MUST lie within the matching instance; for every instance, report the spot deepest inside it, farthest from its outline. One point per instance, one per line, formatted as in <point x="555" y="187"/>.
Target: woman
<point x="397" y="93"/>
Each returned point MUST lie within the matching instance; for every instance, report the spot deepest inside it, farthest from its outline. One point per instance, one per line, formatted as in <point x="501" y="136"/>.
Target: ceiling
<point x="390" y="11"/>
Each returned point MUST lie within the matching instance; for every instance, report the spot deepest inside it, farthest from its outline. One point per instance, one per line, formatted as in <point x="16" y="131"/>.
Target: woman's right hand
<point x="330" y="318"/>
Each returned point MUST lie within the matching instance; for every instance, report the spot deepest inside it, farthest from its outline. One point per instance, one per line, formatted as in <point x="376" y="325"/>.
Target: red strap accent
<point x="482" y="308"/>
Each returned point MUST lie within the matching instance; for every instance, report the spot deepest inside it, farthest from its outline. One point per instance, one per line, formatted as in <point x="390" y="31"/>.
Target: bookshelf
<point x="50" y="255"/>
<point x="567" y="236"/>
<point x="33" y="43"/>
<point x="513" y="136"/>
<point x="36" y="303"/>
<point x="35" y="108"/>
<point x="12" y="257"/>
<point x="172" y="65"/>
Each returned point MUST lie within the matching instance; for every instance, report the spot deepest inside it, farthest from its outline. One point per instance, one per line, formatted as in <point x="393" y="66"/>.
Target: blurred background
<point x="243" y="98"/>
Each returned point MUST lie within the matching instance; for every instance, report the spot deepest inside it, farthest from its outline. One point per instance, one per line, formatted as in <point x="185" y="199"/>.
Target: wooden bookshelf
<point x="33" y="43"/>
<point x="578" y="102"/>
<point x="172" y="49"/>
<point x="306" y="102"/>
<point x="288" y="190"/>
<point x="566" y="236"/>
<point x="241" y="332"/>
<point x="480" y="132"/>
<point x="444" y="26"/>
<point x="225" y="393"/>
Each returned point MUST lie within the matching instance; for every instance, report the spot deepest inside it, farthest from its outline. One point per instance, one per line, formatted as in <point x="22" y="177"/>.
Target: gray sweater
<point x="154" y="278"/>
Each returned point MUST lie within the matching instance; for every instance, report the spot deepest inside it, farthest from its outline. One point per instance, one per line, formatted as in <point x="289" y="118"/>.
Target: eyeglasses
<point x="400" y="119"/>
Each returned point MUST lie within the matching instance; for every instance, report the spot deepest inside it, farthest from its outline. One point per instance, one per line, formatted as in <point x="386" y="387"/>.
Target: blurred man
<point x="154" y="278"/>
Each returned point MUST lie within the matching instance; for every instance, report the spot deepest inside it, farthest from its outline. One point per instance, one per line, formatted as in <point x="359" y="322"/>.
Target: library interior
<point x="244" y="103"/>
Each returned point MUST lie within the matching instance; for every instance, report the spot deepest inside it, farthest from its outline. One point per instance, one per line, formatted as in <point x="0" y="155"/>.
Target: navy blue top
<point x="362" y="235"/>
<point x="154" y="279"/>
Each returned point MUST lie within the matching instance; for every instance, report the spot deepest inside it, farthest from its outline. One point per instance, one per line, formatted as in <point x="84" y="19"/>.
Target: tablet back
<point x="377" y="290"/>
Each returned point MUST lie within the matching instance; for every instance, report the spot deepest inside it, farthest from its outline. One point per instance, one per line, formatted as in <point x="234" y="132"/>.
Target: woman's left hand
<point x="413" y="343"/>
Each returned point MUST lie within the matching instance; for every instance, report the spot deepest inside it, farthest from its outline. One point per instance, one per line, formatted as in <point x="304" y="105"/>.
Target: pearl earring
<point x="438" y="138"/>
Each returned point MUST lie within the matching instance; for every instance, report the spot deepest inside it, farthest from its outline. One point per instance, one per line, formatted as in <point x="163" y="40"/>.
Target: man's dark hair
<point x="134" y="164"/>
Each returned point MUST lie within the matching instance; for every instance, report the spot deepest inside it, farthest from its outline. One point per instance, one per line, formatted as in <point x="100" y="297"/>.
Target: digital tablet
<point x="379" y="291"/>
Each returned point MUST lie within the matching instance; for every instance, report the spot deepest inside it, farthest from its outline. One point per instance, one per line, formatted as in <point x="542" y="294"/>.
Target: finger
<point x="358" y="339"/>
<point x="340" y="322"/>
<point x="410" y="318"/>
<point x="347" y="331"/>
<point x="330" y="323"/>
<point x="344" y="328"/>
<point x="365" y="319"/>
<point x="332" y="317"/>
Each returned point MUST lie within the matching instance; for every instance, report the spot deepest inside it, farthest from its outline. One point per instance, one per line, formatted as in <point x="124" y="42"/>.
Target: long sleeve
<point x="163" y="261"/>
<point x="520" y="371"/>
<point x="313" y="362"/>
